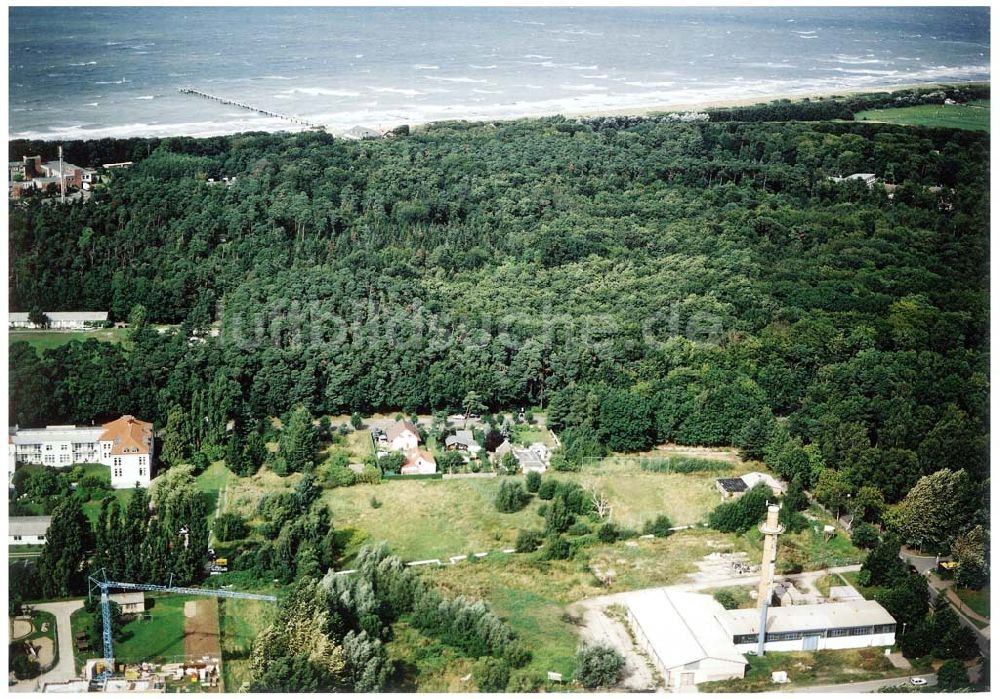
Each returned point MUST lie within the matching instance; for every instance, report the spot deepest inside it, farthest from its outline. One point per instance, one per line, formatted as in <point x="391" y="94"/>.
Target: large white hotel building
<point x="124" y="445"/>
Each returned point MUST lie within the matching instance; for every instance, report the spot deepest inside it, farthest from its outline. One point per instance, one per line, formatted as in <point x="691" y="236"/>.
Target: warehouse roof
<point x="807" y="617"/>
<point x="681" y="627"/>
<point x="94" y="316"/>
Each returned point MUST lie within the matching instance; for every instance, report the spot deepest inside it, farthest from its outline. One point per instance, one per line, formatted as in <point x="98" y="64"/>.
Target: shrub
<point x="510" y="497"/>
<point x="356" y="421"/>
<point x="491" y="674"/>
<point x="533" y="481"/>
<point x="952" y="675"/>
<point x="865" y="536"/>
<point x="598" y="666"/>
<point x="517" y="654"/>
<point x="608" y="533"/>
<point x="726" y="598"/>
<point x="579" y="529"/>
<point x="528" y="541"/>
<point x="230" y="527"/>
<point x="740" y="515"/>
<point x="547" y="490"/>
<point x="524" y="683"/>
<point x="660" y="526"/>
<point x="557" y="548"/>
<point x="375" y="503"/>
<point x="23" y="667"/>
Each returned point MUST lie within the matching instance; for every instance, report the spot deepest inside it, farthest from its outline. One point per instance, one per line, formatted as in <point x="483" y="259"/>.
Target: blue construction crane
<point x="105" y="585"/>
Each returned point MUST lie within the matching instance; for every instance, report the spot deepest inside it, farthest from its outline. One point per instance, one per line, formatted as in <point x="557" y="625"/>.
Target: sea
<point x="88" y="72"/>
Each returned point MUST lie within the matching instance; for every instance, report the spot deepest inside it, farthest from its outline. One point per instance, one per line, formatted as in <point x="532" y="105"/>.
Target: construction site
<point x="173" y="642"/>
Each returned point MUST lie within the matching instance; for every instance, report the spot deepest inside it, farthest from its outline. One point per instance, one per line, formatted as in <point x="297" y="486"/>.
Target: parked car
<point x="918" y="681"/>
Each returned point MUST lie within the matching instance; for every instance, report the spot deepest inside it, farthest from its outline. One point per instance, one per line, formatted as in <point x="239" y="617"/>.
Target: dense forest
<point x="704" y="283"/>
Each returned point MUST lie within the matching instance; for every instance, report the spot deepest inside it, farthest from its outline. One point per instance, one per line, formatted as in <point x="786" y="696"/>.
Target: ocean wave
<point x="536" y="55"/>
<point x="640" y="83"/>
<point x="487" y="92"/>
<point x="112" y="82"/>
<point x="320" y="91"/>
<point x="84" y="63"/>
<point x="489" y="67"/>
<point x="601" y="76"/>
<point x="397" y="91"/>
<point x="768" y="65"/>
<point x="588" y="86"/>
<point x="582" y="67"/>
<point x="462" y="79"/>
<point x="91" y="104"/>
<point x="144" y="97"/>
<point x="425" y="66"/>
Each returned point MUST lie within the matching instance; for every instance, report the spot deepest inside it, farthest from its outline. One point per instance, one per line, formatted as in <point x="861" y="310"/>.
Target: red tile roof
<point x="129" y="435"/>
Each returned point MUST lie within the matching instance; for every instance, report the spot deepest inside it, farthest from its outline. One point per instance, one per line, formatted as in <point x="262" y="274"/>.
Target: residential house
<point x="402" y="436"/>
<point x="418" y="461"/>
<point x="462" y="440"/>
<point x="124" y="445"/>
<point x="534" y="458"/>
<point x="867" y="177"/>
<point x="24" y="531"/>
<point x="61" y="320"/>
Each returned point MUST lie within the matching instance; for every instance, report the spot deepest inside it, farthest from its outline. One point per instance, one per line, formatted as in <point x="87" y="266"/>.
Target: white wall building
<point x="680" y="634"/>
<point x="837" y="625"/>
<point x="24" y="531"/>
<point x="60" y="320"/>
<point x="124" y="445"/>
<point x="418" y="461"/>
<point x="403" y="436"/>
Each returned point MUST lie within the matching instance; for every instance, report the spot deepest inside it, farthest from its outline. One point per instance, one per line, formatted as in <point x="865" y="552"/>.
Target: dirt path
<point x="598" y="628"/>
<point x="201" y="629"/>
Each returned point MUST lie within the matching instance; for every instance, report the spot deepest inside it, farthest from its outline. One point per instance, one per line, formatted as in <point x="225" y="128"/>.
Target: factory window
<point x="785" y="636"/>
<point x="885" y="628"/>
<point x="17" y="537"/>
<point x="745" y="638"/>
<point x="836" y="633"/>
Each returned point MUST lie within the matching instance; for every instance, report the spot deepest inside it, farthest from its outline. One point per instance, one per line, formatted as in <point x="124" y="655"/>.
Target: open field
<point x="240" y="621"/>
<point x="974" y="116"/>
<point x="92" y="508"/>
<point x="805" y="668"/>
<point x="47" y="339"/>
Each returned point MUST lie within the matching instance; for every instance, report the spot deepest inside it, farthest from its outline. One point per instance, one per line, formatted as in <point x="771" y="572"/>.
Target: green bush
<point x="533" y="481"/>
<point x="660" y="526"/>
<point x="547" y="490"/>
<point x="510" y="497"/>
<point x="230" y="527"/>
<point x="738" y="516"/>
<point x="598" y="666"/>
<point x="726" y="598"/>
<point x="865" y="535"/>
<point x="491" y="674"/>
<point x="684" y="464"/>
<point x="608" y="533"/>
<point x="557" y="548"/>
<point x="579" y="529"/>
<point x="528" y="541"/>
<point x="952" y="675"/>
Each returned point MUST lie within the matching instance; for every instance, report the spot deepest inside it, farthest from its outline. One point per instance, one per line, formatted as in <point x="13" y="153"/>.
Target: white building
<point x="25" y="531"/>
<point x="402" y="436"/>
<point x="60" y="320"/>
<point x="462" y="440"/>
<point x="418" y="461"/>
<point x="125" y="446"/>
<point x="681" y="635"/>
<point x="837" y="625"/>
<point x="534" y="458"/>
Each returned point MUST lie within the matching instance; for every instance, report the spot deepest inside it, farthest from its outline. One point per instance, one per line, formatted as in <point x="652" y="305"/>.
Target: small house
<point x="418" y="461"/>
<point x="27" y="531"/>
<point x="462" y="440"/>
<point x="130" y="602"/>
<point x="402" y="436"/>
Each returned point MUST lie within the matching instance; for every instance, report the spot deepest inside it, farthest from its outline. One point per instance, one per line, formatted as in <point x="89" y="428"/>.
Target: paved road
<point x="64" y="669"/>
<point x="861" y="687"/>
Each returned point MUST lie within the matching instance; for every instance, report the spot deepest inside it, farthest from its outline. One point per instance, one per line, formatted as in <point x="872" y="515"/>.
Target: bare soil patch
<point x="201" y="629"/>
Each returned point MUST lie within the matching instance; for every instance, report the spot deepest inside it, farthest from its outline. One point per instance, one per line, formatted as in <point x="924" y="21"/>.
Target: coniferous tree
<point x="68" y="539"/>
<point x="298" y="440"/>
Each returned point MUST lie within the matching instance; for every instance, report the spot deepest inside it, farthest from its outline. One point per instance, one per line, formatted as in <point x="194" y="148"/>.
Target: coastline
<point x="215" y="129"/>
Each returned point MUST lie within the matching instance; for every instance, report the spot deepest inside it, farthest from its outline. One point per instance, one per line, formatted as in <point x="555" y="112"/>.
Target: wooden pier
<point x="243" y="105"/>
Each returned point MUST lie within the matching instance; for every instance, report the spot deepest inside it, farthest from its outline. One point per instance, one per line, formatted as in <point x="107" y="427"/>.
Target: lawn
<point x="527" y="435"/>
<point x="976" y="600"/>
<point x="92" y="508"/>
<point x="809" y="549"/>
<point x="803" y="668"/>
<point x="159" y="638"/>
<point x="974" y="116"/>
<point x="47" y="339"/>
